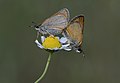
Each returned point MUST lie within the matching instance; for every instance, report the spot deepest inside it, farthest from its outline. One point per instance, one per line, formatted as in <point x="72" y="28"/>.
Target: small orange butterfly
<point x="74" y="33"/>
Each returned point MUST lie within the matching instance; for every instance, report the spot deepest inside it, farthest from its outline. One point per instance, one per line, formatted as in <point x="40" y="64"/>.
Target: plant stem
<point x="45" y="70"/>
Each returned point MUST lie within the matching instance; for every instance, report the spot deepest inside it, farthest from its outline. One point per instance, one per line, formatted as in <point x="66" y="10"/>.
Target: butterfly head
<point x="35" y="25"/>
<point x="79" y="50"/>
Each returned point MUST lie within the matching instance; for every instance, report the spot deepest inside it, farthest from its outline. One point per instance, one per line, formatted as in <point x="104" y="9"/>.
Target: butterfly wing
<point x="74" y="31"/>
<point x="57" y="22"/>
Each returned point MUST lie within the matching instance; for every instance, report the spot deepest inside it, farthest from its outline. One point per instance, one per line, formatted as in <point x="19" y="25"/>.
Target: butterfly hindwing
<point x="75" y="29"/>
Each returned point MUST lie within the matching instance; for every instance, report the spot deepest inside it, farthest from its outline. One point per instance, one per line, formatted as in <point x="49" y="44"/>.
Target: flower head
<point x="53" y="43"/>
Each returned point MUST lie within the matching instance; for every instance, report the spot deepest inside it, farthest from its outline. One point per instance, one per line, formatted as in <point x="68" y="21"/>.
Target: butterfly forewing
<point x="64" y="12"/>
<point x="58" y="21"/>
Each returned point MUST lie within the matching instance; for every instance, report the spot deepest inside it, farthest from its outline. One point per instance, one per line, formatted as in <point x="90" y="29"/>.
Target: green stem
<point x="45" y="70"/>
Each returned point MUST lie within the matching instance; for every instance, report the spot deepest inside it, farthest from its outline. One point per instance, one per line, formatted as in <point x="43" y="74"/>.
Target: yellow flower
<point x="53" y="43"/>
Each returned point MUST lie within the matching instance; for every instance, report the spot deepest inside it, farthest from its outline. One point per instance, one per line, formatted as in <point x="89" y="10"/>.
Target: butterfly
<point x="55" y="24"/>
<point x="74" y="33"/>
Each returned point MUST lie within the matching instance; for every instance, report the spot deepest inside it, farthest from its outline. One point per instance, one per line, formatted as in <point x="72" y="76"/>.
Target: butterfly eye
<point x="37" y="26"/>
<point x="80" y="50"/>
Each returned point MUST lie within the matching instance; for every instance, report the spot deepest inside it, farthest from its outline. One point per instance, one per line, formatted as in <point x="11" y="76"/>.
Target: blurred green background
<point x="22" y="62"/>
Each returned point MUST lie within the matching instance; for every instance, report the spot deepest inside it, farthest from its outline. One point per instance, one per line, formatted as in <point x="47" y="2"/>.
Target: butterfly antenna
<point x="83" y="53"/>
<point x="33" y="25"/>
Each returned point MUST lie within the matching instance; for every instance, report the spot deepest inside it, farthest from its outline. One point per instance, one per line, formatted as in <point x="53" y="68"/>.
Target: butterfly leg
<point x="38" y="34"/>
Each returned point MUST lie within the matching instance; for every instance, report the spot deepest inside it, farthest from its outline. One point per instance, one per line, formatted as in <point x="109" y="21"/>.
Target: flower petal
<point x="64" y="46"/>
<point x="63" y="39"/>
<point x="67" y="49"/>
<point x="38" y="44"/>
<point x="58" y="38"/>
<point x="42" y="39"/>
<point x="53" y="48"/>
